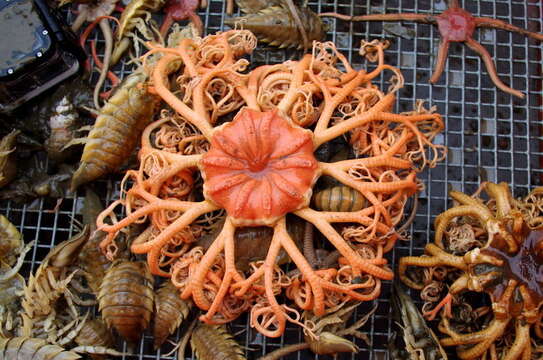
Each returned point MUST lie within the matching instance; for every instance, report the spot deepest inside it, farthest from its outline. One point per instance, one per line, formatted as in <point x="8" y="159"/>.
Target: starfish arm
<point x="487" y="59"/>
<point x="440" y="62"/>
<point x="499" y="24"/>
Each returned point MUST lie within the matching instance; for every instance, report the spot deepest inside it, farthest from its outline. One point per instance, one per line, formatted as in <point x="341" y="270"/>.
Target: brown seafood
<point x="213" y="342"/>
<point x="8" y="167"/>
<point x="170" y="312"/>
<point x="339" y="198"/>
<point x="95" y="333"/>
<point x="116" y="130"/>
<point x="126" y="298"/>
<point x="25" y="348"/>
<point x="277" y="26"/>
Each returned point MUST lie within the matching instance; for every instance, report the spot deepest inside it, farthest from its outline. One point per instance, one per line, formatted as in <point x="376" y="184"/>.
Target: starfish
<point x="455" y="25"/>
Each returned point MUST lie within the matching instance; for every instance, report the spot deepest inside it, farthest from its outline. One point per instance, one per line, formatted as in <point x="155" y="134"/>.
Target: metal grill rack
<point x="490" y="135"/>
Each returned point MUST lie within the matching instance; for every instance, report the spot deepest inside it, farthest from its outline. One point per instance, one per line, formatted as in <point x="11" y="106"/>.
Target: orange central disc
<point x="259" y="167"/>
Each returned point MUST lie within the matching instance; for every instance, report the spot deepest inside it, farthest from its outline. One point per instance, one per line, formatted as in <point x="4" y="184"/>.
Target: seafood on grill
<point x="116" y="130"/>
<point x="170" y="312"/>
<point x="455" y="25"/>
<point x="8" y="163"/>
<point x="210" y="342"/>
<point x="126" y="298"/>
<point x="413" y="339"/>
<point x="491" y="247"/>
<point x="49" y="284"/>
<point x="283" y="26"/>
<point x="328" y="334"/>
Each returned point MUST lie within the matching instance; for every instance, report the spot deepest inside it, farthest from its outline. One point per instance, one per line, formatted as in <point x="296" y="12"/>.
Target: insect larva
<point x="126" y="298"/>
<point x="170" y="311"/>
<point x="339" y="198"/>
<point x="116" y="130"/>
<point x="275" y="25"/>
<point x="213" y="342"/>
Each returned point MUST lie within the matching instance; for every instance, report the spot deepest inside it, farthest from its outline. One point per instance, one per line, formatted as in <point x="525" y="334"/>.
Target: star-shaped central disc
<point x="259" y="167"/>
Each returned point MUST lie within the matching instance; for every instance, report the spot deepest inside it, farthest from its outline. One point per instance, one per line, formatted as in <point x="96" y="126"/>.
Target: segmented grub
<point x="213" y="342"/>
<point x="275" y="25"/>
<point x="170" y="311"/>
<point x="25" y="348"/>
<point x="339" y="198"/>
<point x="126" y="298"/>
<point x="116" y="130"/>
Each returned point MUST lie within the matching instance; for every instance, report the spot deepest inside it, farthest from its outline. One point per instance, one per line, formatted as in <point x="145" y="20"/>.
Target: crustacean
<point x="210" y="342"/>
<point x="170" y="312"/>
<point x="455" y="25"/>
<point x="8" y="163"/>
<point x="503" y="259"/>
<point x="260" y="166"/>
<point x="331" y="331"/>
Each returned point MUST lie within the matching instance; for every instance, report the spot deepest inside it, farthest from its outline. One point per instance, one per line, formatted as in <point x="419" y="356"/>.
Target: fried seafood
<point x="8" y="163"/>
<point x="212" y="342"/>
<point x="126" y="298"/>
<point x="455" y="25"/>
<point x="170" y="312"/>
<point x="504" y="260"/>
<point x="260" y="166"/>
<point x="116" y="130"/>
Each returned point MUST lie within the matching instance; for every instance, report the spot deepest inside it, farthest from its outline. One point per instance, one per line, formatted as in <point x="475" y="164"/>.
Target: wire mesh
<point x="490" y="135"/>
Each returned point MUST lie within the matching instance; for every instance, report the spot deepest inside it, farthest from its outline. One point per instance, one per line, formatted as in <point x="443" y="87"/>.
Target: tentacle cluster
<point x="266" y="148"/>
<point x="493" y="247"/>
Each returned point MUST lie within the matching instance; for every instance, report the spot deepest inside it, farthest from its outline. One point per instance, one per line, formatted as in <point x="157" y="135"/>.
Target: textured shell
<point x="339" y="198"/>
<point x="95" y="333"/>
<point x="213" y="342"/>
<point x="269" y="151"/>
<point x="170" y="311"/>
<point x="276" y="26"/>
<point x="135" y="9"/>
<point x="254" y="6"/>
<point x="116" y="130"/>
<point x="24" y="348"/>
<point x="11" y="241"/>
<point x="126" y="298"/>
<point x="8" y="165"/>
<point x="62" y="121"/>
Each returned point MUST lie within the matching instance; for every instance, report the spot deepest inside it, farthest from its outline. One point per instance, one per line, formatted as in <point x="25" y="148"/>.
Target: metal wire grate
<point x="490" y="135"/>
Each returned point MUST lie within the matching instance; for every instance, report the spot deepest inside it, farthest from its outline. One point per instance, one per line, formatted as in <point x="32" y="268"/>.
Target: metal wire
<point x="490" y="135"/>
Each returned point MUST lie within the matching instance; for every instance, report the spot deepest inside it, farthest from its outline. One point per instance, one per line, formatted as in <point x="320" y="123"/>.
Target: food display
<point x="259" y="180"/>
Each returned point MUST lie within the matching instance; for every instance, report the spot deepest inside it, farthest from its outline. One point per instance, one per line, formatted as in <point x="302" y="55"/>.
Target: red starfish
<point x="455" y="25"/>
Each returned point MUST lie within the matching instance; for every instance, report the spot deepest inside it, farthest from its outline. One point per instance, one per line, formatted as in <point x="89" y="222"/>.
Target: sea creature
<point x="278" y="26"/>
<point x="170" y="312"/>
<point x="213" y="342"/>
<point x="455" y="25"/>
<point x="116" y="130"/>
<point x="131" y="18"/>
<point x="504" y="260"/>
<point x="126" y="298"/>
<point x="254" y="6"/>
<point x="62" y="124"/>
<point x="413" y="339"/>
<point x="8" y="163"/>
<point x="328" y="334"/>
<point x="26" y="348"/>
<point x="339" y="198"/>
<point x="50" y="282"/>
<point x="260" y="169"/>
<point x="178" y="10"/>
<point x="95" y="333"/>
<point x="11" y="242"/>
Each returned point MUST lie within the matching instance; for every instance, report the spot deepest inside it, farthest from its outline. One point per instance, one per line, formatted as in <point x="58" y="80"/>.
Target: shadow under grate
<point x="490" y="135"/>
